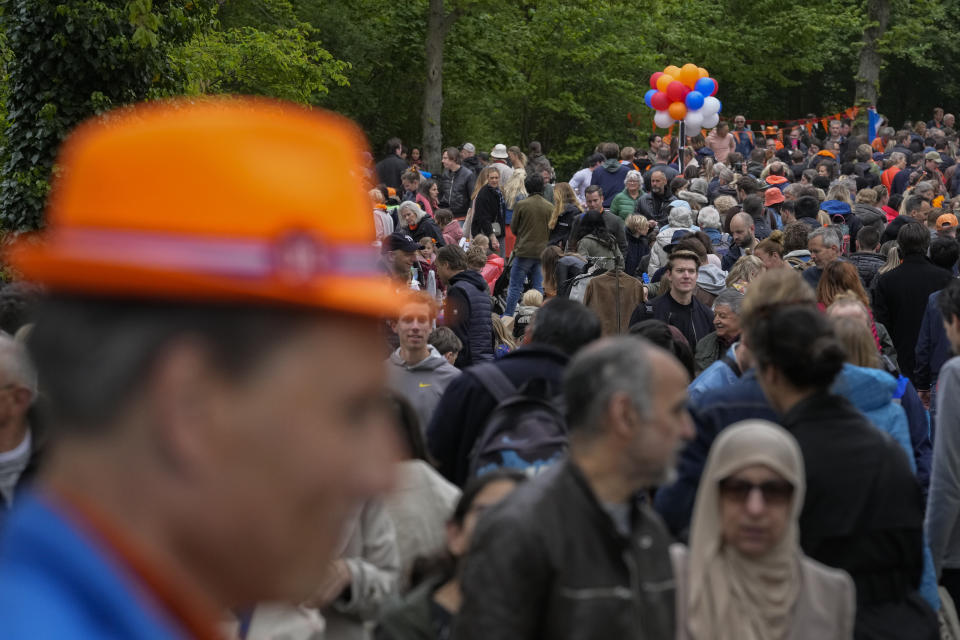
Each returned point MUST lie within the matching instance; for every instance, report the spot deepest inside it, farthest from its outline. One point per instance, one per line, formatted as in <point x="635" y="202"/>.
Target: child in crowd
<point x="446" y="342"/>
<point x="529" y="304"/>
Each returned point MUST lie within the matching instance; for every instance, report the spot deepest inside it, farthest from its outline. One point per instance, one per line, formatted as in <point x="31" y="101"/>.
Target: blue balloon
<point x="694" y="100"/>
<point x="705" y="86"/>
<point x="649" y="94"/>
<point x="720" y="107"/>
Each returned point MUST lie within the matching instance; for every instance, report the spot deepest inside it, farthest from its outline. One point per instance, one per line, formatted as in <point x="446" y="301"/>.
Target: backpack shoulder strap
<point x="493" y="380"/>
<point x="732" y="363"/>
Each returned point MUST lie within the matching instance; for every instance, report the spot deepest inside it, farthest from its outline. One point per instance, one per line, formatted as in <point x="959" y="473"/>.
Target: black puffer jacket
<point x="548" y="562"/>
<point x="467" y="312"/>
<point x="867" y="265"/>
<point x="654" y="207"/>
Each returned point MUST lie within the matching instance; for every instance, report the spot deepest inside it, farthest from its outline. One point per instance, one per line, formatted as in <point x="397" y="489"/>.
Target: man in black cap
<point x="399" y="256"/>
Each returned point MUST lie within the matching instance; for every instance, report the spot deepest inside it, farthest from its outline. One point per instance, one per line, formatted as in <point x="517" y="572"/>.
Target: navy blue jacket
<point x="610" y="178"/>
<point x="715" y="411"/>
<point x="467" y="313"/>
<point x="466" y="405"/>
<point x="933" y="348"/>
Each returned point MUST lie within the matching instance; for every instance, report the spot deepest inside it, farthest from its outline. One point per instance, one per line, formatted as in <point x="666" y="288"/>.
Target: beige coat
<point x="825" y="607"/>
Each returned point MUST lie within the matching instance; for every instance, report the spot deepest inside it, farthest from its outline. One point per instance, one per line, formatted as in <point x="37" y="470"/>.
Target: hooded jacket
<point x="467" y="313"/>
<point x="711" y="280"/>
<point x="610" y="177"/>
<point x="868" y="214"/>
<point x="422" y="383"/>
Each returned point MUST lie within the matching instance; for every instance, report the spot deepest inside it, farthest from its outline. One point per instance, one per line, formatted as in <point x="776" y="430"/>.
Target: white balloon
<point x="662" y="119"/>
<point x="710" y="121"/>
<point x="710" y="105"/>
<point x="694" y="119"/>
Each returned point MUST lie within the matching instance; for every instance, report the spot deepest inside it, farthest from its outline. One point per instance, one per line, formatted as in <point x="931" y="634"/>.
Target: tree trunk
<point x="438" y="25"/>
<point x="868" y="72"/>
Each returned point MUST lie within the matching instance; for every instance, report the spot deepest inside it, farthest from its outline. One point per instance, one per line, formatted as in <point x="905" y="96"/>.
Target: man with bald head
<point x="654" y="205"/>
<point x="744" y="239"/>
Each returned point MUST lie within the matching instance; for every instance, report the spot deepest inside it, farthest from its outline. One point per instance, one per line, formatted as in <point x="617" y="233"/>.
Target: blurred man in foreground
<point x="203" y="454"/>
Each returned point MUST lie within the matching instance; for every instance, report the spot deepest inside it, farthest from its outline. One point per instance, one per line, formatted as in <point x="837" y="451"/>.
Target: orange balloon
<point x="672" y="70"/>
<point x="703" y="72"/>
<point x="689" y="75"/>
<point x="677" y="110"/>
<point x="664" y="81"/>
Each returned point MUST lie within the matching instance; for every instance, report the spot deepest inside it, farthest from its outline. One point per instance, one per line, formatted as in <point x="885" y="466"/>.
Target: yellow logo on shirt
<point x="424" y="385"/>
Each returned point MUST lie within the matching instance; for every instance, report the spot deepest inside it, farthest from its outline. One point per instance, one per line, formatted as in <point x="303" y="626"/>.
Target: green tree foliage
<point x="569" y="74"/>
<point x="261" y="48"/>
<point x="67" y="61"/>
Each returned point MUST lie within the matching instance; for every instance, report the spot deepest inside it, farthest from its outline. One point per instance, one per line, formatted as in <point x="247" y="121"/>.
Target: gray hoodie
<point x="422" y="383"/>
<point x="712" y="279"/>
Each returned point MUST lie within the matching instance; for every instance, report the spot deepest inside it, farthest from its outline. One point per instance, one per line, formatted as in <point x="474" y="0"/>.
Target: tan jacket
<point x="825" y="607"/>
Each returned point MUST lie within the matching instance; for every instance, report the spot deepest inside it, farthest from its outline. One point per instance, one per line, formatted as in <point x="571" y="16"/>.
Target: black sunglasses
<point x="774" y="492"/>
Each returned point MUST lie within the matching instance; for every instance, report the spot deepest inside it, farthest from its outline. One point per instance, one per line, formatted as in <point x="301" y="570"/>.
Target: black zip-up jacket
<point x="694" y="320"/>
<point x="548" y="562"/>
<point x="456" y="189"/>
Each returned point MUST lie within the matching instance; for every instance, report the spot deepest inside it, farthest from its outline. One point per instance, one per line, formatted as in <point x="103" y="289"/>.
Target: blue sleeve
<point x="675" y="502"/>
<point x="919" y="435"/>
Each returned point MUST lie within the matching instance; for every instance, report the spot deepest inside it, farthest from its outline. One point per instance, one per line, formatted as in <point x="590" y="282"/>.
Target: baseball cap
<point x="468" y="146"/>
<point x="221" y="200"/>
<point x="946" y="221"/>
<point x="932" y="155"/>
<point x="499" y="151"/>
<point x="675" y="239"/>
<point x="400" y="241"/>
<point x="772" y="196"/>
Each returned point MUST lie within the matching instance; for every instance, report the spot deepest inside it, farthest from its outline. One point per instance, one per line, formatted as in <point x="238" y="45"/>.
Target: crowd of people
<point x="703" y="390"/>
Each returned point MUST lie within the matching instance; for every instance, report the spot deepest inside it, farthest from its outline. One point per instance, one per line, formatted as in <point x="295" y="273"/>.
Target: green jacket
<point x="623" y="205"/>
<point x="409" y="618"/>
<point x="531" y="217"/>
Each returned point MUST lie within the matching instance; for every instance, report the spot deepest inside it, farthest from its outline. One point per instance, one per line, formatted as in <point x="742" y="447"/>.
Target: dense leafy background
<point x="564" y="72"/>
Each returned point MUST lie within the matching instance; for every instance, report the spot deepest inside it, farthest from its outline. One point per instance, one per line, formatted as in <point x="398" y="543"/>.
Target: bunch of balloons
<point x="684" y="93"/>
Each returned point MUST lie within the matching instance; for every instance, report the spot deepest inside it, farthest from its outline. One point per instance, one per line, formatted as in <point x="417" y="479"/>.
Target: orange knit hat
<point x="240" y="200"/>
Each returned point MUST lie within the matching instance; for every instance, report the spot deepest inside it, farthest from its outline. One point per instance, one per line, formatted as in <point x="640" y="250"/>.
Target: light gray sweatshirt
<point x="943" y="503"/>
<point x="421" y="383"/>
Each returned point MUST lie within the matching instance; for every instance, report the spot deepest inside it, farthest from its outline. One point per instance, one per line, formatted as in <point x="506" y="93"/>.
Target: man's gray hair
<point x="409" y="204"/>
<point x="633" y="174"/>
<point x="15" y="364"/>
<point x="897" y="156"/>
<point x="709" y="218"/>
<point x="830" y="236"/>
<point x="601" y="370"/>
<point x="924" y="185"/>
<point x="731" y="298"/>
<point x="725" y="176"/>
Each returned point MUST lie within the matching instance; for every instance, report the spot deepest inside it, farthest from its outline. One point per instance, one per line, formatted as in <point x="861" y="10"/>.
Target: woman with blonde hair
<point x="744" y="271"/>
<point x="502" y="338"/>
<point x="744" y="576"/>
<point x="771" y="251"/>
<point x="566" y="208"/>
<point x="487" y="214"/>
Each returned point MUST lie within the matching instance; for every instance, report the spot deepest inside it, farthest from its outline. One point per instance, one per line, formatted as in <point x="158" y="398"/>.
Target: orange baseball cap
<point x="222" y="200"/>
<point x="946" y="221"/>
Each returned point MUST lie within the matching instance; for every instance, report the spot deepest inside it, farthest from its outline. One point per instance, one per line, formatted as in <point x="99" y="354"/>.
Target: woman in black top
<point x="863" y="511"/>
<point x="418" y="224"/>
<point x="488" y="208"/>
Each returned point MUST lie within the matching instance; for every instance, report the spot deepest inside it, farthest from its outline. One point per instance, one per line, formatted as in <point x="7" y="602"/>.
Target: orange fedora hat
<point x="224" y="200"/>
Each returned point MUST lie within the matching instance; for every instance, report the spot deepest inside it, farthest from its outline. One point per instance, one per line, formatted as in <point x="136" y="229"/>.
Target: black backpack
<point x="526" y="430"/>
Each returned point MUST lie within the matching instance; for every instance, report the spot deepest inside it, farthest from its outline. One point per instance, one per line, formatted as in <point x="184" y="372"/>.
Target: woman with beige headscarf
<point x="744" y="576"/>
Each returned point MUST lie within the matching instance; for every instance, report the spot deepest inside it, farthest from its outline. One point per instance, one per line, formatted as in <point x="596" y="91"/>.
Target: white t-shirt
<point x="12" y="464"/>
